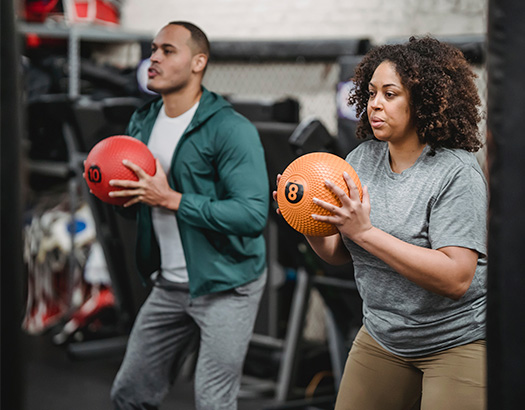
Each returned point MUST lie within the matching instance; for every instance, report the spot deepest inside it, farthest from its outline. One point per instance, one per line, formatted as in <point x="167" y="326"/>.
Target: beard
<point x="166" y="88"/>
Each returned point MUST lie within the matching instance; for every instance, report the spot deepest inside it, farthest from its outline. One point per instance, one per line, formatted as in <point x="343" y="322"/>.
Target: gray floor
<point x="55" y="382"/>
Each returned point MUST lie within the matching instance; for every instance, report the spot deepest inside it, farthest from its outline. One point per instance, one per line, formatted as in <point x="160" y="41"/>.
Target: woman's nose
<point x="375" y="102"/>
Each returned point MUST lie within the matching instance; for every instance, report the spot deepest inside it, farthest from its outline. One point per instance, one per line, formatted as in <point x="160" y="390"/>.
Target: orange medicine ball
<point x="303" y="180"/>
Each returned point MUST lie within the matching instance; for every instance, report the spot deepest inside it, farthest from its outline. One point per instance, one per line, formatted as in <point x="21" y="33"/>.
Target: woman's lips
<point x="376" y="122"/>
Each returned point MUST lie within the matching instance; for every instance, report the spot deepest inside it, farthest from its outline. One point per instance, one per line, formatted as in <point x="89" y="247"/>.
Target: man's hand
<point x="151" y="190"/>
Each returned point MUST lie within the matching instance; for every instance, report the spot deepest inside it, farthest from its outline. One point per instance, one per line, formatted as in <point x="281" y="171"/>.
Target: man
<point x="200" y="224"/>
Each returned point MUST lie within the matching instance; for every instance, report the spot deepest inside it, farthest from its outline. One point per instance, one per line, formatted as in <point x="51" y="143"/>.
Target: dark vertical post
<point x="506" y="138"/>
<point x="11" y="213"/>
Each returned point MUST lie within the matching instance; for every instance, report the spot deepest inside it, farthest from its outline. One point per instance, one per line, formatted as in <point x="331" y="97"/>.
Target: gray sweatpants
<point x="169" y="326"/>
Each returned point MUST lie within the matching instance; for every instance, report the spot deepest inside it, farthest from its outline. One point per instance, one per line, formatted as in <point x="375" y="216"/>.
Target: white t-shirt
<point x="164" y="137"/>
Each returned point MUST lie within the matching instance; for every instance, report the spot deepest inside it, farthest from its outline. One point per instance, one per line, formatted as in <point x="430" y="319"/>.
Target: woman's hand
<point x="151" y="190"/>
<point x="274" y="195"/>
<point x="329" y="248"/>
<point x="352" y="218"/>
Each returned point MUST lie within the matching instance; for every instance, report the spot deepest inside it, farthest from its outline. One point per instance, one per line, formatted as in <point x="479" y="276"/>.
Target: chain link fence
<point x="314" y="84"/>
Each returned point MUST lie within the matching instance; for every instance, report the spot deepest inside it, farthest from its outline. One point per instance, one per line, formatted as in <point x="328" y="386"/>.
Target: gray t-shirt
<point x="440" y="201"/>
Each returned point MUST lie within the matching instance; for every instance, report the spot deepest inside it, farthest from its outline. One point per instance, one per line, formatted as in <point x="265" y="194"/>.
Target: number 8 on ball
<point x="302" y="181"/>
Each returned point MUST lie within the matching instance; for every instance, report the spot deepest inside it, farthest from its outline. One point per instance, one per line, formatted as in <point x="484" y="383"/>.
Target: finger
<point x="335" y="189"/>
<point x="131" y="202"/>
<point x="278" y="179"/>
<point x="159" y="169"/>
<point x="326" y="205"/>
<point x="274" y="195"/>
<point x="135" y="168"/>
<point x="324" y="218"/>
<point x="122" y="193"/>
<point x="124" y="183"/>
<point x="349" y="180"/>
<point x="352" y="187"/>
<point x="366" y="195"/>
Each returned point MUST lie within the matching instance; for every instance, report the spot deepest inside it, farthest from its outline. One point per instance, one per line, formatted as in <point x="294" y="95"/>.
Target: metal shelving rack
<point x="76" y="34"/>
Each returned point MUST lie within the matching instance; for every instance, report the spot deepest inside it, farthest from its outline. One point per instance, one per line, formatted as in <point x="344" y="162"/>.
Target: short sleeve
<point x="458" y="216"/>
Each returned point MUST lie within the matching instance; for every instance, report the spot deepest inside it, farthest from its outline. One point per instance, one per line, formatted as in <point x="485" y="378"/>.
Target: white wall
<point x="312" y="85"/>
<point x="306" y="19"/>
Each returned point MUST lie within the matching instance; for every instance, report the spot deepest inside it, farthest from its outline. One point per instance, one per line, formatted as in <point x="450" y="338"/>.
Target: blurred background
<point x="285" y="65"/>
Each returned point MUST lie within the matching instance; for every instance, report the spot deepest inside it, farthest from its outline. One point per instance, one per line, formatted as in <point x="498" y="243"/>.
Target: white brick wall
<point x="305" y="19"/>
<point x="312" y="85"/>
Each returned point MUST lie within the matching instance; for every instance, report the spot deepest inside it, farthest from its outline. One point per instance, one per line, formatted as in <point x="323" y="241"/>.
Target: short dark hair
<point x="202" y="45"/>
<point x="444" y="99"/>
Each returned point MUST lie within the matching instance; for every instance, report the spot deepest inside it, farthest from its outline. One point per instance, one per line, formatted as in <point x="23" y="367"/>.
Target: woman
<point x="418" y="238"/>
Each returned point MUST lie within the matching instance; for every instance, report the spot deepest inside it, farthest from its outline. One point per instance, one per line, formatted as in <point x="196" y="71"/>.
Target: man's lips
<point x="152" y="72"/>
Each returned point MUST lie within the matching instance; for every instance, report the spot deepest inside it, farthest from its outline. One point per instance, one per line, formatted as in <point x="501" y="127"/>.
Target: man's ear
<point x="199" y="62"/>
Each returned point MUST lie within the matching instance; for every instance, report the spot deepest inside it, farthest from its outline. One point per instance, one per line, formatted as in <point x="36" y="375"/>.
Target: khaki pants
<point x="375" y="379"/>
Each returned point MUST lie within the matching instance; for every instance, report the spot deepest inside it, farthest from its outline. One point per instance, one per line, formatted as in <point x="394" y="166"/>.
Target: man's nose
<point x="155" y="55"/>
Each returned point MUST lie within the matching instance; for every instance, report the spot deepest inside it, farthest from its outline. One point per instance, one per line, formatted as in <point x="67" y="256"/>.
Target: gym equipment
<point x="80" y="124"/>
<point x="280" y="359"/>
<point x="104" y="163"/>
<point x="303" y="180"/>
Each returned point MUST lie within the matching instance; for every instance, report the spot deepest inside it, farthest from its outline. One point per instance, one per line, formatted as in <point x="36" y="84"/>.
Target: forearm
<point x="330" y="248"/>
<point x="447" y="272"/>
<point x="239" y="216"/>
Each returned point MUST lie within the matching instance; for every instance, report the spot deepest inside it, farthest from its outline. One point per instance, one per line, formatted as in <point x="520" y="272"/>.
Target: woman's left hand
<point x="352" y="218"/>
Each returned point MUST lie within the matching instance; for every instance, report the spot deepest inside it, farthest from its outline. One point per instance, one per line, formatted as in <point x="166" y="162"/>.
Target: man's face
<point x="172" y="60"/>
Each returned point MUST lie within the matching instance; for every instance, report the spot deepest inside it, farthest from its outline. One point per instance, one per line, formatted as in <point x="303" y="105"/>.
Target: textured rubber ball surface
<point x="304" y="179"/>
<point x="104" y="163"/>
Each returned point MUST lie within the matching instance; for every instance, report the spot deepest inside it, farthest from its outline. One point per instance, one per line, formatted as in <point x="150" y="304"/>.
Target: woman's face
<point x="389" y="106"/>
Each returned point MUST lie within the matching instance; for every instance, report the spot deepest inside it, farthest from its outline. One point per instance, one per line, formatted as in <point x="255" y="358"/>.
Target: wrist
<point x="363" y="237"/>
<point x="172" y="201"/>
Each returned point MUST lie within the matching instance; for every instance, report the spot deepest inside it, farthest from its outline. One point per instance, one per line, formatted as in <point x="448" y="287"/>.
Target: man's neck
<point x="178" y="103"/>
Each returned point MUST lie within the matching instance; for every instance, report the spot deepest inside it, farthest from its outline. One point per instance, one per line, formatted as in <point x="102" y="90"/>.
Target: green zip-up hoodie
<point x="219" y="167"/>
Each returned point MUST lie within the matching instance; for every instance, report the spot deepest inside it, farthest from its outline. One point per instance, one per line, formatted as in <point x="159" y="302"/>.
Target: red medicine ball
<point x="104" y="163"/>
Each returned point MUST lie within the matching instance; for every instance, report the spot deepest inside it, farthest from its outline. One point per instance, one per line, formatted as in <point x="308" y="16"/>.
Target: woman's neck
<point x="405" y="155"/>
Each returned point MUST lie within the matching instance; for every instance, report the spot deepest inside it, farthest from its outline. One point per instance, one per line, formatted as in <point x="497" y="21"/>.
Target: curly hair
<point x="443" y="96"/>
